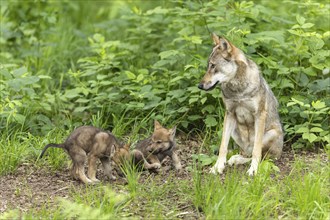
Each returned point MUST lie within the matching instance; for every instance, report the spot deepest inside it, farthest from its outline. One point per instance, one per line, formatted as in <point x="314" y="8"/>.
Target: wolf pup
<point x="251" y="116"/>
<point x="151" y="152"/>
<point x="92" y="143"/>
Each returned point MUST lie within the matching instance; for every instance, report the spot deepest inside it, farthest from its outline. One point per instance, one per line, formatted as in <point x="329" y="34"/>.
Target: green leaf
<point x="19" y="72"/>
<point x="210" y="121"/>
<point x="302" y="130"/>
<point x="169" y="53"/>
<point x="72" y="93"/>
<point x="80" y="109"/>
<point x="286" y="83"/>
<point x="5" y="73"/>
<point x="301" y="20"/>
<point x="307" y="25"/>
<point x="19" y="118"/>
<point x="316" y="129"/>
<point x="318" y="104"/>
<point x="310" y="137"/>
<point x="44" y="77"/>
<point x="130" y="75"/>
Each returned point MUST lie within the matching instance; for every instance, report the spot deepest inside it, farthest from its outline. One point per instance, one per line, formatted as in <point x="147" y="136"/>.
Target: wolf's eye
<point x="159" y="142"/>
<point x="212" y="65"/>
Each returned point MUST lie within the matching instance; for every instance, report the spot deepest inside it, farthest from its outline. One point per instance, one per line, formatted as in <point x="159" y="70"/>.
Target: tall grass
<point x="268" y="195"/>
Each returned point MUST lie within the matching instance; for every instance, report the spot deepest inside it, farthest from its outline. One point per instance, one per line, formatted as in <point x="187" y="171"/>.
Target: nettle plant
<point x="314" y="128"/>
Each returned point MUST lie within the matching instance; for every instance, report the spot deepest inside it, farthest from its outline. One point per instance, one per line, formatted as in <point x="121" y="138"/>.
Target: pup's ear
<point x="172" y="132"/>
<point x="127" y="146"/>
<point x="157" y="125"/>
<point x="216" y="39"/>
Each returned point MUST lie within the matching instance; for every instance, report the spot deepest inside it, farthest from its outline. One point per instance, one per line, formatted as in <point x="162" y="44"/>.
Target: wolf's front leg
<point x="176" y="161"/>
<point x="228" y="127"/>
<point x="153" y="164"/>
<point x="91" y="172"/>
<point x="106" y="162"/>
<point x="258" y="142"/>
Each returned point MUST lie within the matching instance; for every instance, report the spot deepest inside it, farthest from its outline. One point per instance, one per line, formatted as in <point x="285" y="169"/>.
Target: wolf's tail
<point x="50" y="145"/>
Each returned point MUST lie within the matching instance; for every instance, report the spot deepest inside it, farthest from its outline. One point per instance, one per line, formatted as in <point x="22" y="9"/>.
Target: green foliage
<point x="65" y="62"/>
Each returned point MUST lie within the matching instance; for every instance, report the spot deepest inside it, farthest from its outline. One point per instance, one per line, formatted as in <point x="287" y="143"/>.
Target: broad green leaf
<point x="210" y="121"/>
<point x="301" y="20"/>
<point x="316" y="129"/>
<point x="168" y="53"/>
<point x="5" y="73"/>
<point x="81" y="109"/>
<point x="19" y="118"/>
<point x="309" y="136"/>
<point x="19" y="72"/>
<point x="302" y="130"/>
<point x="72" y="93"/>
<point x="318" y="104"/>
<point x="307" y="25"/>
<point x="130" y="75"/>
<point x="44" y="77"/>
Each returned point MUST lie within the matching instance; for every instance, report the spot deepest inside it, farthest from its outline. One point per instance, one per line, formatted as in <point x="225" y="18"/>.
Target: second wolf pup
<point x="150" y="153"/>
<point x="92" y="143"/>
<point x="157" y="147"/>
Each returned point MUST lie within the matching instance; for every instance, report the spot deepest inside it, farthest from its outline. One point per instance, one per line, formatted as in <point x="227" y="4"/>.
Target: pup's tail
<point x="50" y="145"/>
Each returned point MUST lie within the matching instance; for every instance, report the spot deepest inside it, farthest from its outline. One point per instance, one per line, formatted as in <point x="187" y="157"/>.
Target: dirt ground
<point x="31" y="186"/>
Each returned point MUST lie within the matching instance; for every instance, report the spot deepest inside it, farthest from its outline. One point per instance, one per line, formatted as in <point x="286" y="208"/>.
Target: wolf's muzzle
<point x="201" y="86"/>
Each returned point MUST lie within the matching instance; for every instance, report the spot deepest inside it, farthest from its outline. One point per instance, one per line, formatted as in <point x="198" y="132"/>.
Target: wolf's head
<point x="162" y="139"/>
<point x="222" y="63"/>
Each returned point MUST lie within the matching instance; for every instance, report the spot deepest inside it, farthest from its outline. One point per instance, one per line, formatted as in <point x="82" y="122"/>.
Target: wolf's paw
<point x="233" y="160"/>
<point x="87" y="181"/>
<point x="238" y="159"/>
<point x="253" y="168"/>
<point x="112" y="177"/>
<point x="156" y="166"/>
<point x="94" y="180"/>
<point x="219" y="166"/>
<point x="178" y="166"/>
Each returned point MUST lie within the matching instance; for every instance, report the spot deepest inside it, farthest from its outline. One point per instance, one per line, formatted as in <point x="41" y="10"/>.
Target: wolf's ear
<point x="157" y="125"/>
<point x="127" y="146"/>
<point x="216" y="39"/>
<point x="172" y="132"/>
<point x="225" y="45"/>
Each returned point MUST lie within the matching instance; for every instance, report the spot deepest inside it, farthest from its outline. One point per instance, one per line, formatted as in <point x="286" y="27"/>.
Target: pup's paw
<point x="112" y="177"/>
<point x="253" y="168"/>
<point x="156" y="166"/>
<point x="178" y="166"/>
<point x="219" y="166"/>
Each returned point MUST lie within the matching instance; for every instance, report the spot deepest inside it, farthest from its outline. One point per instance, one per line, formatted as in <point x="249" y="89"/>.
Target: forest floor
<point x="31" y="187"/>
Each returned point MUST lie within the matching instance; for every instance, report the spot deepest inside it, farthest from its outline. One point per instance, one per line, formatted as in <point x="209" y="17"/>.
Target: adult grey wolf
<point x="251" y="116"/>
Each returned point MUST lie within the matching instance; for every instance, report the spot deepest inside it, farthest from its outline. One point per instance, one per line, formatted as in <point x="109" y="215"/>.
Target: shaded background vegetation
<point x="67" y="63"/>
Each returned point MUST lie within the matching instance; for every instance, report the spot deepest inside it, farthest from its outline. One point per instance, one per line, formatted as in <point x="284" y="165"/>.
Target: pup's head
<point x="162" y="139"/>
<point x="222" y="63"/>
